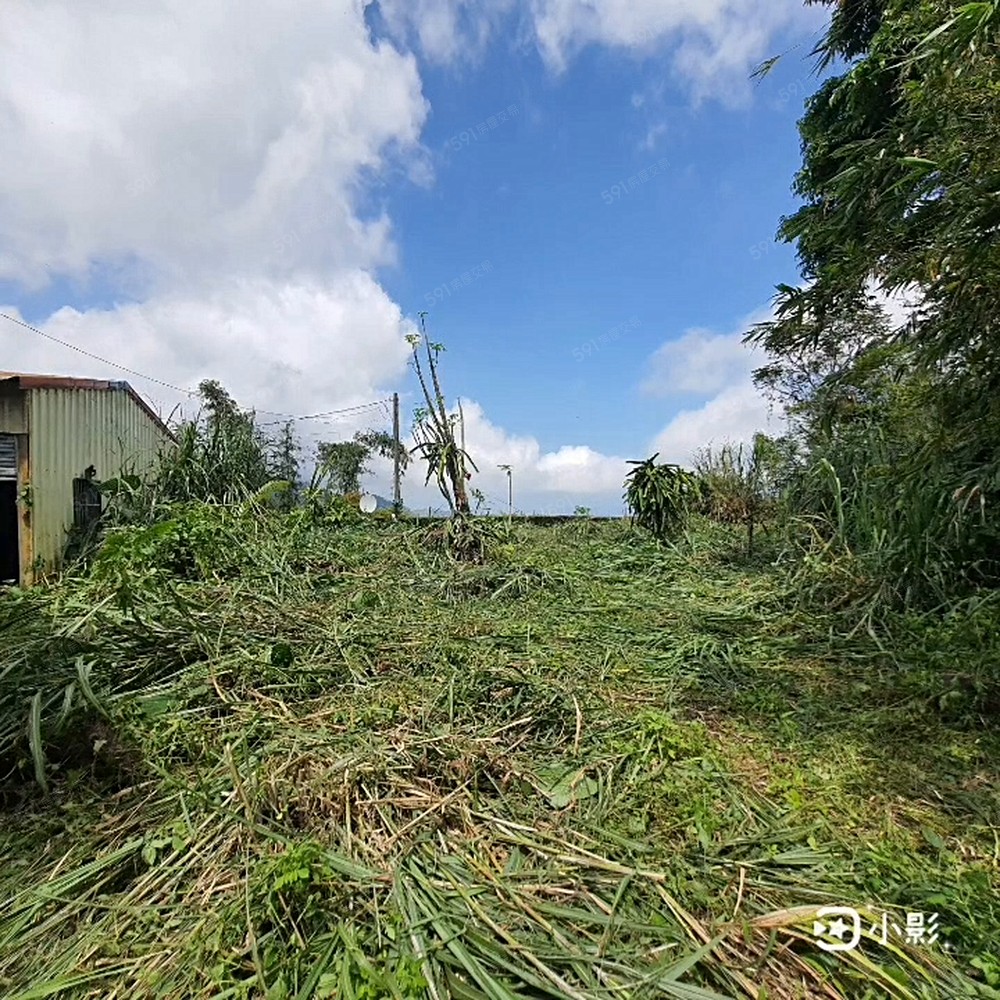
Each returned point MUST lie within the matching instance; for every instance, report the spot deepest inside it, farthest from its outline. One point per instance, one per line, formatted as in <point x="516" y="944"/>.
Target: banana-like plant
<point x="434" y="430"/>
<point x="660" y="497"/>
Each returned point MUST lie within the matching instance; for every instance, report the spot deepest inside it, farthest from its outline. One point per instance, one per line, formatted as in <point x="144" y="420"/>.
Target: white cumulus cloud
<point x="701" y="361"/>
<point x="711" y="45"/>
<point x="311" y="347"/>
<point x="733" y="415"/>
<point x="717" y="369"/>
<point x="445" y="31"/>
<point x="201" y="138"/>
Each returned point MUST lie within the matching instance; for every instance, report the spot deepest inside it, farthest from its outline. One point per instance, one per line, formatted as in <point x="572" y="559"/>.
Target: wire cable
<point x="344" y="412"/>
<point x="190" y="392"/>
<point x="97" y="357"/>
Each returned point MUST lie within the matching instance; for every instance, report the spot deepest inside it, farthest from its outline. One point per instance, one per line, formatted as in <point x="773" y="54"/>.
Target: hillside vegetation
<point x="288" y="757"/>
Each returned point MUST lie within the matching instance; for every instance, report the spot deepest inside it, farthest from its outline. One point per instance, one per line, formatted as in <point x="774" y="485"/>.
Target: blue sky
<point x="575" y="251"/>
<point x="585" y="204"/>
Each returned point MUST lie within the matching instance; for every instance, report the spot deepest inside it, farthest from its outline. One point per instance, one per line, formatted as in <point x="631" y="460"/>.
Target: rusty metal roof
<point x="28" y="381"/>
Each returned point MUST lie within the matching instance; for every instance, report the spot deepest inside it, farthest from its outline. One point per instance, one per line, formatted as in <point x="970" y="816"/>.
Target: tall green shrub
<point x="660" y="497"/>
<point x="221" y="456"/>
<point x="898" y="190"/>
<point x="744" y="485"/>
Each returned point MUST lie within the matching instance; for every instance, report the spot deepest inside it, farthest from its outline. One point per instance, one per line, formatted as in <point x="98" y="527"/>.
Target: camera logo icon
<point x="842" y="932"/>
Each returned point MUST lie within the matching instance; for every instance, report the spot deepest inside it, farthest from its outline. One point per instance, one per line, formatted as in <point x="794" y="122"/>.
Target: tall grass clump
<point x="221" y="456"/>
<point x="918" y="525"/>
<point x="890" y="512"/>
<point x="743" y="485"/>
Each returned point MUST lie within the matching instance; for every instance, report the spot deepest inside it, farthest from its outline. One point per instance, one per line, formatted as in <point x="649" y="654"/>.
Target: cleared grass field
<point x="332" y="763"/>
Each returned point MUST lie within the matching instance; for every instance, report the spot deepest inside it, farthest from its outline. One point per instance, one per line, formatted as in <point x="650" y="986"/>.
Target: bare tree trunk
<point x="457" y="474"/>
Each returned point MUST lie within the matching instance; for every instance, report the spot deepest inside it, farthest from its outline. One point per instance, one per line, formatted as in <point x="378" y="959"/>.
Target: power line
<point x="190" y="392"/>
<point x="96" y="357"/>
<point x="492" y="500"/>
<point x="345" y="411"/>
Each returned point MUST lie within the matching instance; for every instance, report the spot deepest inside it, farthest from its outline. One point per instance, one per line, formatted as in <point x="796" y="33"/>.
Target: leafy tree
<point x="899" y="178"/>
<point x="341" y="464"/>
<point x="901" y="194"/>
<point x="285" y="463"/>
<point x="900" y="183"/>
<point x="383" y="444"/>
<point x="812" y="382"/>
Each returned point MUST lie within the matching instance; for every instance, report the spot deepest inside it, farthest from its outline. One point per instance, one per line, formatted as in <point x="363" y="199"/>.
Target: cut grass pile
<point x="590" y="767"/>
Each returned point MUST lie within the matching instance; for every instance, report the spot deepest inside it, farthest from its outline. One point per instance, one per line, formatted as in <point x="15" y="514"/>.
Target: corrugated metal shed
<point x="72" y="425"/>
<point x="21" y="380"/>
<point x="13" y="419"/>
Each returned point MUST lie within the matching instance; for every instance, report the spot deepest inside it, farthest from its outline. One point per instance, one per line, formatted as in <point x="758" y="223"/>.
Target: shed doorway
<point x="10" y="562"/>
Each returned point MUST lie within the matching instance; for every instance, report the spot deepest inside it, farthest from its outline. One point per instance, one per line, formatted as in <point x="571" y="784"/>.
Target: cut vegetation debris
<point x="344" y="765"/>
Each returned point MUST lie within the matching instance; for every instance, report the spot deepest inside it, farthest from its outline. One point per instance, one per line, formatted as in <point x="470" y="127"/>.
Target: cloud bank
<point x="715" y="370"/>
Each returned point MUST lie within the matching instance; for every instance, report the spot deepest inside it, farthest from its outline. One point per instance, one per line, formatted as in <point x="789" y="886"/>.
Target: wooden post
<point x="397" y="500"/>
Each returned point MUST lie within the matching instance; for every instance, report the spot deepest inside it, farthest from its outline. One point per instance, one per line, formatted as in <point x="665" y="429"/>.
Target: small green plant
<point x="482" y="504"/>
<point x="660" y="497"/>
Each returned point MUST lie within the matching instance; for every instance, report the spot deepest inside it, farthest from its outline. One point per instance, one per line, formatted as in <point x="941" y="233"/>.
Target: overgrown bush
<point x="890" y="489"/>
<point x="661" y="497"/>
<point x="191" y="541"/>
<point x="745" y="486"/>
<point x="898" y="200"/>
<point x="220" y="457"/>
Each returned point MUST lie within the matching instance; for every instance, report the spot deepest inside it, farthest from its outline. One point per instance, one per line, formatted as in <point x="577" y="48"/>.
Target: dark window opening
<point x="86" y="503"/>
<point x="10" y="563"/>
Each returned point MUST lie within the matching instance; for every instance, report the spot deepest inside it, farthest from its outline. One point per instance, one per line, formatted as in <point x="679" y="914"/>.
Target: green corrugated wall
<point x="69" y="430"/>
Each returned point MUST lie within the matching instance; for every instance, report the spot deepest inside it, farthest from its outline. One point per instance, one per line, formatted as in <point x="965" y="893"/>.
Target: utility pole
<point x="397" y="500"/>
<point x="510" y="490"/>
